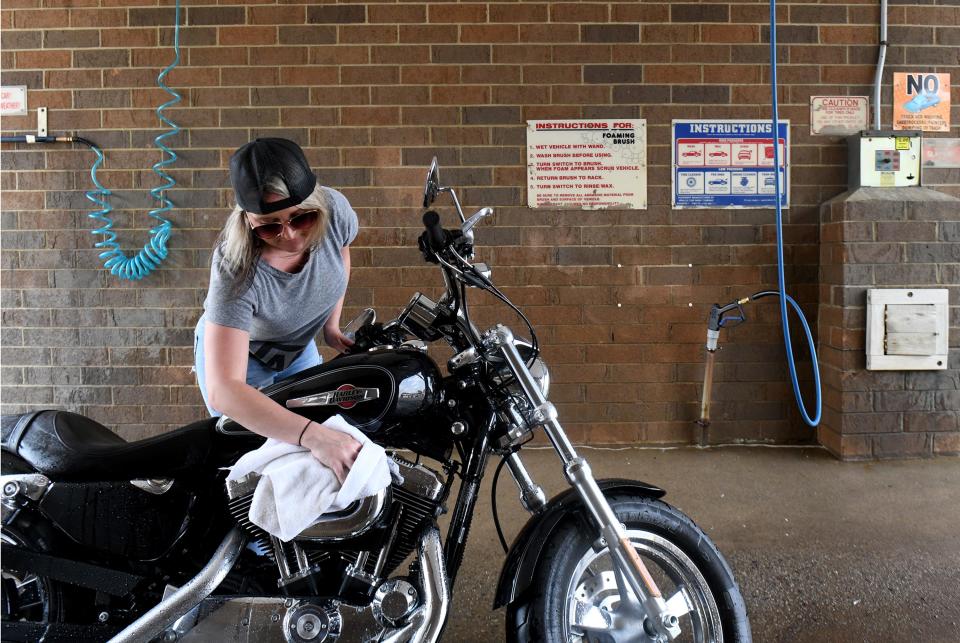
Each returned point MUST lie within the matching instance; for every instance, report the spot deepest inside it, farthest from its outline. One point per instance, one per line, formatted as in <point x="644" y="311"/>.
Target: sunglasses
<point x="301" y="221"/>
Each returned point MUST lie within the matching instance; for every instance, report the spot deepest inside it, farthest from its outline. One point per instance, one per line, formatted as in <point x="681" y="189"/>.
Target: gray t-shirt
<point x="284" y="311"/>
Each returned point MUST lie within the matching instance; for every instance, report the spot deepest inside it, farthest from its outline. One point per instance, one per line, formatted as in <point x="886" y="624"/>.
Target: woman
<point x="278" y="277"/>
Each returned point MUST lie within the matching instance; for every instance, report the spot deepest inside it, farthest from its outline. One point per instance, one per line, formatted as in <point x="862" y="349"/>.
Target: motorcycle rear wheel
<point x="28" y="597"/>
<point x="574" y="597"/>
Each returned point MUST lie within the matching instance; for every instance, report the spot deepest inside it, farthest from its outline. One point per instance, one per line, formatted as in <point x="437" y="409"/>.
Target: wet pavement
<point x="823" y="550"/>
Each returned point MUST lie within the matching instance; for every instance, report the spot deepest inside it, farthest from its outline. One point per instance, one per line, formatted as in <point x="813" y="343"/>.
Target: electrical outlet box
<point x="907" y="329"/>
<point x="883" y="159"/>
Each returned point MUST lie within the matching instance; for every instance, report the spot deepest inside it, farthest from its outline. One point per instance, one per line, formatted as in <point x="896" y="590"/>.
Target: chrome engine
<point x="400" y="612"/>
<point x="325" y="546"/>
<point x="336" y="592"/>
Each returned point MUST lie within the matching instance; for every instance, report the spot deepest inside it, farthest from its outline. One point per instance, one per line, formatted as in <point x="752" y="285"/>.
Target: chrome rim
<point x="595" y="613"/>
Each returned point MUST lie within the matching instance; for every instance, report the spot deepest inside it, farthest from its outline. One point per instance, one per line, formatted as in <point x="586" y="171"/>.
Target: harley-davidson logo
<point x="346" y="397"/>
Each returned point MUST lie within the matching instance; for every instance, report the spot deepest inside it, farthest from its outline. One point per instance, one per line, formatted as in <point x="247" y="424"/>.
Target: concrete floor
<point x="823" y="550"/>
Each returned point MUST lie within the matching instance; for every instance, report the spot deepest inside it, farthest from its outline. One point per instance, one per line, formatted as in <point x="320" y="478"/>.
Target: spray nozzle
<point x="727" y="316"/>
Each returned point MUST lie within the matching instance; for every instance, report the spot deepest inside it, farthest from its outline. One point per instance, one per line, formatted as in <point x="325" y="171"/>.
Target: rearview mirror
<point x="432" y="186"/>
<point x="368" y="316"/>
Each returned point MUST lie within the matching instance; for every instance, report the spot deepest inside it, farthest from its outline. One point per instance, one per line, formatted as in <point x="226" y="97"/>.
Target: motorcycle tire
<point x="28" y="597"/>
<point x="678" y="554"/>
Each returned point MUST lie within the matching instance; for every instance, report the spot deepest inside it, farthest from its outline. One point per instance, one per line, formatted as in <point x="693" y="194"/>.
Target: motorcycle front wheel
<point x="574" y="596"/>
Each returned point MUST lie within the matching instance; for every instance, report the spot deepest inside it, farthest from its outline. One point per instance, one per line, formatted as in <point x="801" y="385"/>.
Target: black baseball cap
<point x="258" y="162"/>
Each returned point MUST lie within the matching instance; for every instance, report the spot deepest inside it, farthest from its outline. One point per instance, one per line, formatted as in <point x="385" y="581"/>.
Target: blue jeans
<point x="258" y="375"/>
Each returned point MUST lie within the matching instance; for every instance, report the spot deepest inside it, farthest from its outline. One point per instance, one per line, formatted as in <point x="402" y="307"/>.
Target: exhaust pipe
<point x="163" y="614"/>
<point x="427" y="623"/>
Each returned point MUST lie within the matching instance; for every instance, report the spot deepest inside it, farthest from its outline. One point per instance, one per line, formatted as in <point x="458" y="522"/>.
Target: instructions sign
<point x="838" y="115"/>
<point x="728" y="164"/>
<point x="921" y="102"/>
<point x="13" y="100"/>
<point x="587" y="164"/>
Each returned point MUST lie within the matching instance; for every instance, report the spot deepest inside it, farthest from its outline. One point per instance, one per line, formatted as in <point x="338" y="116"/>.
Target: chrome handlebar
<point x="467" y="227"/>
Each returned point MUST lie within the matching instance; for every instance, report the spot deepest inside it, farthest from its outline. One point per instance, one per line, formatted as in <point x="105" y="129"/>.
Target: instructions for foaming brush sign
<point x="729" y="164"/>
<point x="587" y="164"/>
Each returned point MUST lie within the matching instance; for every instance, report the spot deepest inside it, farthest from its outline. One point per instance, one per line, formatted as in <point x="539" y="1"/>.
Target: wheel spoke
<point x="590" y="618"/>
<point x="678" y="605"/>
<point x="627" y="598"/>
<point x="26" y="606"/>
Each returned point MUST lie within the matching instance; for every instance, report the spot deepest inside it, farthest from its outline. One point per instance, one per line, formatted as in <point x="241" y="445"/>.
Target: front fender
<point x="521" y="562"/>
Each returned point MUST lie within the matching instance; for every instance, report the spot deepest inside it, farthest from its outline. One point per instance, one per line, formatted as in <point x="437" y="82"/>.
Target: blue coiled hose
<point x="781" y="281"/>
<point x="155" y="250"/>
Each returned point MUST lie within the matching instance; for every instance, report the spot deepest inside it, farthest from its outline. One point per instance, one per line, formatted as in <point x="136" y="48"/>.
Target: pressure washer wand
<point x="719" y="316"/>
<point x="723" y="316"/>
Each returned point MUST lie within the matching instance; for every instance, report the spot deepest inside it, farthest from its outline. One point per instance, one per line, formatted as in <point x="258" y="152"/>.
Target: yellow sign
<point x="921" y="102"/>
<point x="903" y="143"/>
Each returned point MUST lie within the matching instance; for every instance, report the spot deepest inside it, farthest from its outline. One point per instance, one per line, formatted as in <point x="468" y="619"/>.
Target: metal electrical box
<point x="907" y="329"/>
<point x="883" y="159"/>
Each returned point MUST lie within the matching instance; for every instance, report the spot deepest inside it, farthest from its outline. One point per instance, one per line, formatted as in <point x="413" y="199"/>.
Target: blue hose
<point x="781" y="281"/>
<point x="155" y="250"/>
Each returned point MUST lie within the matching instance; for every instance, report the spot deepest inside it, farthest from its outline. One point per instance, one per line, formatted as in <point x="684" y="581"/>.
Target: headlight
<point x="541" y="375"/>
<point x="538" y="370"/>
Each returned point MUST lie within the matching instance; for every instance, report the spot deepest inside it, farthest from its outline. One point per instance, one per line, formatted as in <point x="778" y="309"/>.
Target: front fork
<point x="578" y="474"/>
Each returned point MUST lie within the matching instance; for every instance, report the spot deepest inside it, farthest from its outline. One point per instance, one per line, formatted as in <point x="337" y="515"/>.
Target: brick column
<point x="877" y="238"/>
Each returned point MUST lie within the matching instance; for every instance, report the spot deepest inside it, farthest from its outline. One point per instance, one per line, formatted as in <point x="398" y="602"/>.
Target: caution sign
<point x="13" y="100"/>
<point x="587" y="164"/>
<point x="838" y="115"/>
<point x="921" y="102"/>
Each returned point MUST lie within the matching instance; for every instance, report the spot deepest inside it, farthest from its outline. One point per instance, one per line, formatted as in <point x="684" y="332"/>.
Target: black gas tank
<point x="375" y="391"/>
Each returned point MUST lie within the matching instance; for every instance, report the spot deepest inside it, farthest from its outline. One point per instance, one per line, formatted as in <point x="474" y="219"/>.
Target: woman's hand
<point x="335" y="339"/>
<point x="335" y="449"/>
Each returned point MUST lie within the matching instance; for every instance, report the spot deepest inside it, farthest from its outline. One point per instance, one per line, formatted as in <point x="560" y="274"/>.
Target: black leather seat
<point x="68" y="446"/>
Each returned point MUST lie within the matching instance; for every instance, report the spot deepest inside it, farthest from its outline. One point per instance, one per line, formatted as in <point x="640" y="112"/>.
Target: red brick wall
<point x="913" y="242"/>
<point x="373" y="90"/>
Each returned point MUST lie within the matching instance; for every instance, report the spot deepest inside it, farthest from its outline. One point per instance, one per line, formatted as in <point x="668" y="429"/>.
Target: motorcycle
<point x="146" y="541"/>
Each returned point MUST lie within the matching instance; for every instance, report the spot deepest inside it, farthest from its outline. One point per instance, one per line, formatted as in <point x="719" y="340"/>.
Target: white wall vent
<point x="907" y="329"/>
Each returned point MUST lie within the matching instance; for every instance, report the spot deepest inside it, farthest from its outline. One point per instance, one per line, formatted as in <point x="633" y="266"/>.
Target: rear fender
<point x="521" y="562"/>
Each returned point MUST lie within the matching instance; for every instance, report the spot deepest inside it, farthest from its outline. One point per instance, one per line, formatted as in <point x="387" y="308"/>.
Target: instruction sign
<point x="921" y="102"/>
<point x="838" y="115"/>
<point x="587" y="164"/>
<point x="13" y="100"/>
<point x="729" y="164"/>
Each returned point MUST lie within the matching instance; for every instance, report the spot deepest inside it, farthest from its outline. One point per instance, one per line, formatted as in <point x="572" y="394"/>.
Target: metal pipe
<point x="580" y="477"/>
<point x="456" y="202"/>
<point x="427" y="622"/>
<point x="531" y="495"/>
<point x="163" y="614"/>
<point x="384" y="556"/>
<point x="882" y="57"/>
<point x="280" y="554"/>
<point x="704" y="420"/>
<point x="436" y="590"/>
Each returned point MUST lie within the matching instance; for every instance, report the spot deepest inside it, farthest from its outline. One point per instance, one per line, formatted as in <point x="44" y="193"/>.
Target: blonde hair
<point x="241" y="248"/>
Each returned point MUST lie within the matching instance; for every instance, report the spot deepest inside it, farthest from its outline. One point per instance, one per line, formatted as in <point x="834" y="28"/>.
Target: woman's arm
<point x="225" y="360"/>
<point x="331" y="328"/>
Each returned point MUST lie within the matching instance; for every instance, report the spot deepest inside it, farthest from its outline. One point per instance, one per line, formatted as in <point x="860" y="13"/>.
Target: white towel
<point x="295" y="489"/>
